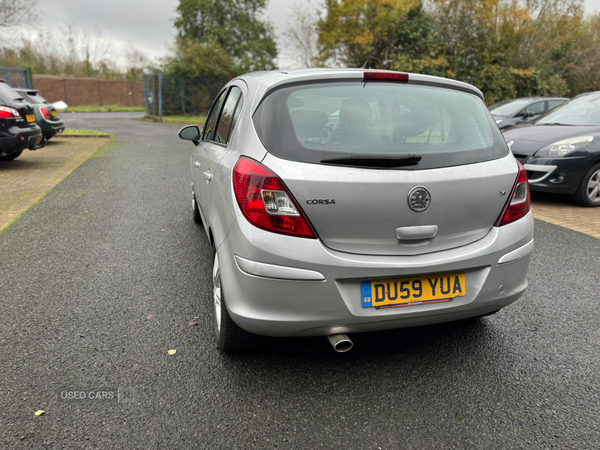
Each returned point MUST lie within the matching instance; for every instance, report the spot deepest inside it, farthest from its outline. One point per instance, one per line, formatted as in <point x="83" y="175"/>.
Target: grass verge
<point x="105" y="108"/>
<point x="195" y="120"/>
<point x="69" y="132"/>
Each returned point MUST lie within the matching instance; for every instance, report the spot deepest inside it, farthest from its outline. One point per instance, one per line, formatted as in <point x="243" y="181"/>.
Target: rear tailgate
<point x="366" y="211"/>
<point x="27" y="114"/>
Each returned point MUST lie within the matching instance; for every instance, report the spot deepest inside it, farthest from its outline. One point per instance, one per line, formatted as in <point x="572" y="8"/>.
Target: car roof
<point x="261" y="83"/>
<point x="534" y="99"/>
<point x="27" y="91"/>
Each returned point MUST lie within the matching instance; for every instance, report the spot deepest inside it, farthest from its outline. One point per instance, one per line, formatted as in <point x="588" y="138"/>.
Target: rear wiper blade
<point x="376" y="160"/>
<point x="555" y="123"/>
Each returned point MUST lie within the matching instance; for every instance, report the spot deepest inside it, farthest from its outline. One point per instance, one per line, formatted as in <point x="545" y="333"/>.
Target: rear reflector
<point x="519" y="202"/>
<point x="386" y="76"/>
<point x="266" y="202"/>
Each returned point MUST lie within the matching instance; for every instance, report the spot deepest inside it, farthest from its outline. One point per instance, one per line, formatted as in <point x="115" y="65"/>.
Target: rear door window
<point x="211" y="120"/>
<point x="314" y="122"/>
<point x="224" y="126"/>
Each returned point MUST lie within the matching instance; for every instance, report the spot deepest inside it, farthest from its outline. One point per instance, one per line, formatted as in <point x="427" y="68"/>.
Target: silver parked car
<point x="349" y="200"/>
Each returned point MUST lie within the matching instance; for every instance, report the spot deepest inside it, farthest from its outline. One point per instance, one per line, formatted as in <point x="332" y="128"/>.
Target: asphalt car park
<point x="103" y="276"/>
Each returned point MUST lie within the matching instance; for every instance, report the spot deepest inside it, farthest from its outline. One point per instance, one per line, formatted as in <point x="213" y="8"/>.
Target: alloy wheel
<point x="593" y="187"/>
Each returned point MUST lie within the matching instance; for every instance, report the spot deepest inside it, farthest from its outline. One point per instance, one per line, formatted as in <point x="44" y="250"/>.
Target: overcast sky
<point x="148" y="23"/>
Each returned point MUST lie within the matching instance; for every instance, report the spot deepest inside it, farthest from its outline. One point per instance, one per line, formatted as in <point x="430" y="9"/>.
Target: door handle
<point x="197" y="164"/>
<point x="207" y="176"/>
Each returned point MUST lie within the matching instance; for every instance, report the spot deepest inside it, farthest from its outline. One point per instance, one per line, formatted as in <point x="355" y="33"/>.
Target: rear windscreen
<point x="36" y="99"/>
<point x="313" y="122"/>
<point x="8" y="94"/>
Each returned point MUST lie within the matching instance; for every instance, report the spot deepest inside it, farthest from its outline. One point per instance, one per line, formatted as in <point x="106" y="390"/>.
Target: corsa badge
<point x="419" y="199"/>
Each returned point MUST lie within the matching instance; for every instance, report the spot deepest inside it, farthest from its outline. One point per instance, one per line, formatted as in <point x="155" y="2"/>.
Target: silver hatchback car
<point x="349" y="200"/>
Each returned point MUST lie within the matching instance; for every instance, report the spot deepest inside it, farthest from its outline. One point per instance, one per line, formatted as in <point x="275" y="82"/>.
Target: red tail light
<point x="45" y="113"/>
<point x="519" y="202"/>
<point x="8" y="113"/>
<point x="266" y="202"/>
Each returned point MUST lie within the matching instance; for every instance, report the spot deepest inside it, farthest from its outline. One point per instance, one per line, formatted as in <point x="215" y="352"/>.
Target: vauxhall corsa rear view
<point x="342" y="201"/>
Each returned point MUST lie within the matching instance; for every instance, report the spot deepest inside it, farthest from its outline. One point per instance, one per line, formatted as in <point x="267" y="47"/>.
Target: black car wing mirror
<point x="190" y="133"/>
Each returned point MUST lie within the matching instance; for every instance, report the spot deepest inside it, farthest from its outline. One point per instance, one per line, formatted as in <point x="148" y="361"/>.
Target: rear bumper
<point x="276" y="285"/>
<point x="52" y="128"/>
<point x="11" y="142"/>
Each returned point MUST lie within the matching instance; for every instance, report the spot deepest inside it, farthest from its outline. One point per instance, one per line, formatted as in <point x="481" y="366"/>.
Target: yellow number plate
<point x="53" y="113"/>
<point x="413" y="291"/>
<point x="30" y="118"/>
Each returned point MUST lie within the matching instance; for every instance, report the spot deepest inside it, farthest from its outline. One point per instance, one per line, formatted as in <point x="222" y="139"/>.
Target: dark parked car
<point x="523" y="110"/>
<point x="561" y="150"/>
<point x="46" y="115"/>
<point x="18" y="129"/>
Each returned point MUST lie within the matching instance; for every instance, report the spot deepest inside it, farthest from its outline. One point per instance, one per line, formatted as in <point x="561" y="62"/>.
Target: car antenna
<point x="367" y="65"/>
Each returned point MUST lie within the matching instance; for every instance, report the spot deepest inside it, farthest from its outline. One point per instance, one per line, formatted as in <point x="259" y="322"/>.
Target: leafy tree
<point x="400" y="32"/>
<point x="228" y="30"/>
<point x="351" y="28"/>
<point x="581" y="62"/>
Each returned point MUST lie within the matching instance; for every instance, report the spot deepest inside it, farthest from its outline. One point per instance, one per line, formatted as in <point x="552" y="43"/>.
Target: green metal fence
<point x="16" y="77"/>
<point x="175" y="96"/>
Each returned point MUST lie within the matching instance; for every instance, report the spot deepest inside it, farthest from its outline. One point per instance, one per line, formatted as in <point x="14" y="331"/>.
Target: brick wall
<point x="89" y="91"/>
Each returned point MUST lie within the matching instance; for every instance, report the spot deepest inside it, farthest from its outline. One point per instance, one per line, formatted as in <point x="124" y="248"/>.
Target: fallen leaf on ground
<point x="150" y="316"/>
<point x="39" y="413"/>
<point x="172" y="352"/>
<point x="193" y="323"/>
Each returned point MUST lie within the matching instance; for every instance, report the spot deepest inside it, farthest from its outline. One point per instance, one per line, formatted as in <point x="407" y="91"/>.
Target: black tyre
<point x="588" y="193"/>
<point x="229" y="336"/>
<point x="11" y="156"/>
<point x="196" y="211"/>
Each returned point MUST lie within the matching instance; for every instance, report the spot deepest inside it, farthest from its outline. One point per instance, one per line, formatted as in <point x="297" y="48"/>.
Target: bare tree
<point x="17" y="12"/>
<point x="85" y="50"/>
<point x="300" y="37"/>
<point x="94" y="50"/>
<point x="137" y="61"/>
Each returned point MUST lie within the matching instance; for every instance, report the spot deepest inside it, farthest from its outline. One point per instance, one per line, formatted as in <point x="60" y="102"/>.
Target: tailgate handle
<point x="416" y="233"/>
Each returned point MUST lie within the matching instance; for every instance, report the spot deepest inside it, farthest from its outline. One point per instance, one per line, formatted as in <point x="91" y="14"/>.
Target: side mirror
<point x="528" y="114"/>
<point x="190" y="133"/>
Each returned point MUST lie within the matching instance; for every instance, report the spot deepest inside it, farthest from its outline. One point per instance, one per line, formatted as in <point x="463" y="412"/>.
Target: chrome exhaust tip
<point x="340" y="342"/>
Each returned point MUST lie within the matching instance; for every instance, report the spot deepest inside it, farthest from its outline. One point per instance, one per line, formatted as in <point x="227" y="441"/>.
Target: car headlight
<point x="559" y="149"/>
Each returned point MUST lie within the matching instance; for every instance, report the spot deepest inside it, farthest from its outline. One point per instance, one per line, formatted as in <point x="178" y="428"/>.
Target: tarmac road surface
<point x="101" y="278"/>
